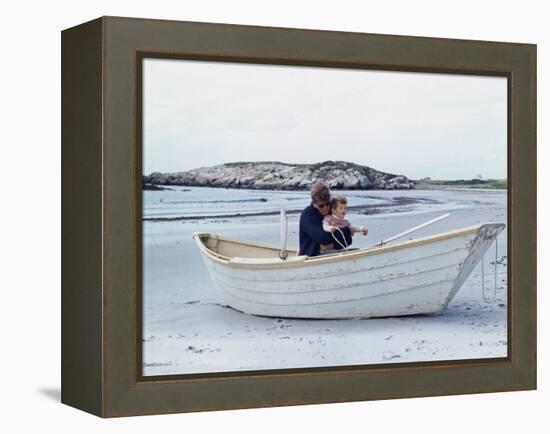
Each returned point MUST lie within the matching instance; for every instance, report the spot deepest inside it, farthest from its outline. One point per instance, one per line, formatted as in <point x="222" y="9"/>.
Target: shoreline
<point x="428" y="187"/>
<point x="161" y="187"/>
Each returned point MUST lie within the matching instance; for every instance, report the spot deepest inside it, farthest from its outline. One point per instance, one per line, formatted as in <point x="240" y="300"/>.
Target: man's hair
<point x="320" y="192"/>
<point x="337" y="200"/>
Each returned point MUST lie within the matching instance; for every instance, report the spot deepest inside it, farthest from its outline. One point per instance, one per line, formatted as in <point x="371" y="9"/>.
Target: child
<point x="336" y="218"/>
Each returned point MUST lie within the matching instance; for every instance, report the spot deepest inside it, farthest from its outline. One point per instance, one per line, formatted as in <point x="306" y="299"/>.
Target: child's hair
<point x="337" y="200"/>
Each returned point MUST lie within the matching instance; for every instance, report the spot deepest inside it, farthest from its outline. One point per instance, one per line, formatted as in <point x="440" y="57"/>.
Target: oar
<point x="408" y="231"/>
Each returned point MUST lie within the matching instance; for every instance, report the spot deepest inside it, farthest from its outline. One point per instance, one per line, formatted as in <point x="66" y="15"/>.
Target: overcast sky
<point x="419" y="125"/>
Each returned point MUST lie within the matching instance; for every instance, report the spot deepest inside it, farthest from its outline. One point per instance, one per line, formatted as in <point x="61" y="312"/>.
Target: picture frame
<point x="101" y="216"/>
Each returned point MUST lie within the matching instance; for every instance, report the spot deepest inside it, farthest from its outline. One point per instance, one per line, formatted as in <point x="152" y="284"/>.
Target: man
<point x="313" y="239"/>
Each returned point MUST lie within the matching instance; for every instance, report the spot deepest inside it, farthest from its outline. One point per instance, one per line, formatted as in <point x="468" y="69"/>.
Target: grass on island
<point x="495" y="184"/>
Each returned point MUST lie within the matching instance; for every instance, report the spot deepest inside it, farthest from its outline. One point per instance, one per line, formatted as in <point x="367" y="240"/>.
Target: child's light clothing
<point x="331" y="220"/>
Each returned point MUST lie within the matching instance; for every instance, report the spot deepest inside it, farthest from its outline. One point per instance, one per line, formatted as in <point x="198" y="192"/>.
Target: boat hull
<point x="415" y="277"/>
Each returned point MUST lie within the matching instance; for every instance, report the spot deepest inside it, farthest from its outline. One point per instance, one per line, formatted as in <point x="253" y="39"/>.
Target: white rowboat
<point x="413" y="277"/>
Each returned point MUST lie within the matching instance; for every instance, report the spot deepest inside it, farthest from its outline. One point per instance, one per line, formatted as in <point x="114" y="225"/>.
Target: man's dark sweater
<point x="312" y="233"/>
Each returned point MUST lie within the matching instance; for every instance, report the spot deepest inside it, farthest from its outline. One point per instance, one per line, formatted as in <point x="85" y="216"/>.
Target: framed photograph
<point x="258" y="216"/>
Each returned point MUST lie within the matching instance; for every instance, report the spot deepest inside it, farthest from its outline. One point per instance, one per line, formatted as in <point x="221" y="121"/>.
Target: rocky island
<point x="274" y="175"/>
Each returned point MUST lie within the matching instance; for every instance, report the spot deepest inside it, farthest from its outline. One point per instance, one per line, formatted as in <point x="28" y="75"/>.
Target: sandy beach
<point x="186" y="329"/>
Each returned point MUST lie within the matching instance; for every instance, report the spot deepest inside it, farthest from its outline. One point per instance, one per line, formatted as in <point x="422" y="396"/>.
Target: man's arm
<point x="316" y="231"/>
<point x="328" y="228"/>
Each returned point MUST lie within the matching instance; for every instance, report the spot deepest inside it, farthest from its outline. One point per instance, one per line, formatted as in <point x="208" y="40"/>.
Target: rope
<point x="343" y="238"/>
<point x="485" y="298"/>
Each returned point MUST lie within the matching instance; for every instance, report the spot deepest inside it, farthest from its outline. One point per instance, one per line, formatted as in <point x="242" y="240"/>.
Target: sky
<point x="442" y="126"/>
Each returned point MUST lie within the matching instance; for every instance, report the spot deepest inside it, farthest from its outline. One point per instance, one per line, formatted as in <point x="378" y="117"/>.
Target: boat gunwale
<point x="319" y="260"/>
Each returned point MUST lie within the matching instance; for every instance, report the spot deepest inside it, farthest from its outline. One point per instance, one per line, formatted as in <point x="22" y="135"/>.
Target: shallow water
<point x="204" y="202"/>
